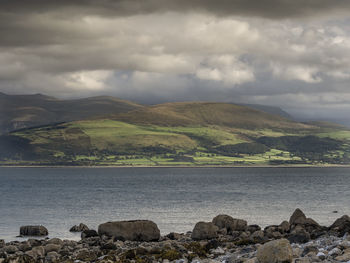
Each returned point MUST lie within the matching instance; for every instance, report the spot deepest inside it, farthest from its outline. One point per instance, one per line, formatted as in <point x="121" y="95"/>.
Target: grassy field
<point x="179" y="134"/>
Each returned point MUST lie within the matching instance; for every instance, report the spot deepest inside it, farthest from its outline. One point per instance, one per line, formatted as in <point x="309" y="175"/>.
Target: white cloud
<point x="226" y="69"/>
<point x="306" y="74"/>
<point x="87" y="80"/>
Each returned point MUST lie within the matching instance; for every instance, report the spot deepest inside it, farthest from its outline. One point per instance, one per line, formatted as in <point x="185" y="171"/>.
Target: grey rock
<point x="55" y="241"/>
<point x="79" y="228"/>
<point x="341" y="225"/>
<point x="284" y="226"/>
<point x="299" y="235"/>
<point x="257" y="236"/>
<point x="10" y="249"/>
<point x="277" y="251"/>
<point x="136" y="230"/>
<point x="89" y="233"/>
<point x="52" y="257"/>
<point x="297" y="217"/>
<point x="204" y="230"/>
<point x="52" y="247"/>
<point x="230" y="223"/>
<point x="33" y="231"/>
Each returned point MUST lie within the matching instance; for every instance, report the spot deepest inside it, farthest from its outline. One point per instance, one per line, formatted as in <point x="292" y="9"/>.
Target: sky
<point x="291" y="54"/>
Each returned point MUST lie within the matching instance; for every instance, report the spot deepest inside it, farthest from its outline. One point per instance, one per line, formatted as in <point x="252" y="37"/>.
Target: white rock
<point x="321" y="255"/>
<point x="334" y="251"/>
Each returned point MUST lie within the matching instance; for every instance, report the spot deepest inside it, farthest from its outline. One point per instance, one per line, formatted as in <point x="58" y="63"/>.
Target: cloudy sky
<point x="293" y="54"/>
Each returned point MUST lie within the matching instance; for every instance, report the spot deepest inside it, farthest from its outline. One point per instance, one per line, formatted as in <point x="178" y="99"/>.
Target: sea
<point x="174" y="198"/>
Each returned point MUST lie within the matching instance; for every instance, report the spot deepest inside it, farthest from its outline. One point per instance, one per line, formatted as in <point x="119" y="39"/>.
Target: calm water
<point x="175" y="198"/>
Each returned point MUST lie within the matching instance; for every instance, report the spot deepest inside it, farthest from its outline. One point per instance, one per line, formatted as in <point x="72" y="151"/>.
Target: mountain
<point x="206" y="114"/>
<point x="269" y="109"/>
<point x="23" y="111"/>
<point x="180" y="133"/>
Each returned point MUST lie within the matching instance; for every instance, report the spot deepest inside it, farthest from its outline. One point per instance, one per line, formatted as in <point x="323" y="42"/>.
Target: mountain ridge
<point x="24" y="111"/>
<point x="177" y="133"/>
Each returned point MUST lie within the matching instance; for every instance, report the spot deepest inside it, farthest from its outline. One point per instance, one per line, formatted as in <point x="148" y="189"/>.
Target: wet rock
<point x="36" y="252"/>
<point x="212" y="244"/>
<point x="230" y="223"/>
<point x="277" y="251"/>
<point x="24" y="246"/>
<point x="52" y="257"/>
<point x="298" y="217"/>
<point x="251" y="260"/>
<point x="86" y="255"/>
<point x="33" y="231"/>
<point x="34" y="242"/>
<point x="19" y="259"/>
<point x="309" y="249"/>
<point x="204" y="230"/>
<point x="253" y="228"/>
<point x="89" y="233"/>
<point x="79" y="228"/>
<point x="341" y="225"/>
<point x="55" y="241"/>
<point x="299" y="235"/>
<point x="175" y="236"/>
<point x="10" y="249"/>
<point x="257" y="236"/>
<point x="343" y="258"/>
<point x="52" y="247"/>
<point x="137" y="230"/>
<point x="334" y="252"/>
<point x="302" y="260"/>
<point x="284" y="227"/>
<point x="109" y="246"/>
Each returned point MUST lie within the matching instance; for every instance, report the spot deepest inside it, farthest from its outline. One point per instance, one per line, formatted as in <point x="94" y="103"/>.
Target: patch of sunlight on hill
<point x="109" y="134"/>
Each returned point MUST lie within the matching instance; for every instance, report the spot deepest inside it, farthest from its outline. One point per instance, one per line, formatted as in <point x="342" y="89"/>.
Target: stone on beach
<point x="33" y="231"/>
<point x="230" y="223"/>
<point x="299" y="218"/>
<point x="204" y="230"/>
<point x="89" y="233"/>
<point x="79" y="228"/>
<point x="341" y="225"/>
<point x="135" y="230"/>
<point x="277" y="251"/>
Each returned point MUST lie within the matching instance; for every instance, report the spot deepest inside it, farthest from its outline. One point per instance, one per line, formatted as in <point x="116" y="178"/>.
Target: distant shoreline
<point x="177" y="166"/>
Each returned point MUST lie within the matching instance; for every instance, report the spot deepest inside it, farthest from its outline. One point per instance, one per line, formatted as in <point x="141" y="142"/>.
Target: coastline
<point x="224" y="239"/>
<point x="178" y="166"/>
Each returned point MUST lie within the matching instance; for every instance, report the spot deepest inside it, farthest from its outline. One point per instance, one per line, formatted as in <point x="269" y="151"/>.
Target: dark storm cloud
<point x="274" y="9"/>
<point x="278" y="52"/>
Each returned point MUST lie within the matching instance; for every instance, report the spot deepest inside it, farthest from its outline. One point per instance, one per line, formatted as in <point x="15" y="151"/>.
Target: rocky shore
<point x="225" y="239"/>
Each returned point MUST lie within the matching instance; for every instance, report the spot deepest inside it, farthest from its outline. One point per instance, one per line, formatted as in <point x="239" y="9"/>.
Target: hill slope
<point x="23" y="111"/>
<point x="198" y="133"/>
<point x="208" y="113"/>
<point x="269" y="109"/>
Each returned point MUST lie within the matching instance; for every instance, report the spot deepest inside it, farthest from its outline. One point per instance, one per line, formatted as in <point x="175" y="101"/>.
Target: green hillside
<point x="200" y="133"/>
<point x="25" y="111"/>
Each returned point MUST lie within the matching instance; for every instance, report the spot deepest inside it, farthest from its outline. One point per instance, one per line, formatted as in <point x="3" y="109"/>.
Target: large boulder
<point x="136" y="230"/>
<point x="204" y="230"/>
<point x="277" y="251"/>
<point x="341" y="225"/>
<point x="298" y="218"/>
<point x="230" y="223"/>
<point x="33" y="231"/>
